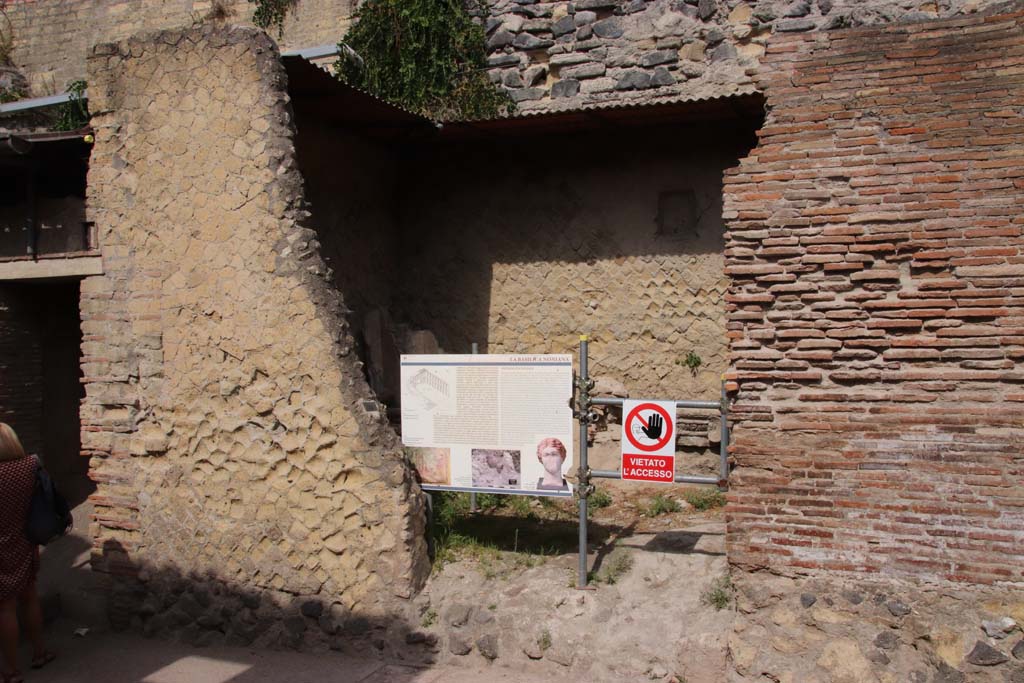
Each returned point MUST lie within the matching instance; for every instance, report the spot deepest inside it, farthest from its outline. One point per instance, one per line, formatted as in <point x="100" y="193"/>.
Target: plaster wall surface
<point x="224" y="411"/>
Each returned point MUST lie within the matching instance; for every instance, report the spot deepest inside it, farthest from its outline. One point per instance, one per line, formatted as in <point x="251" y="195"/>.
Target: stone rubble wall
<point x="870" y="631"/>
<point x="876" y="311"/>
<point x="52" y="37"/>
<point x="565" y="55"/>
<point x="225" y="410"/>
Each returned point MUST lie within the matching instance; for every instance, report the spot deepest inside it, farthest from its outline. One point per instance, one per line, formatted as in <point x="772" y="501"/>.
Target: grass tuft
<point x="705" y="498"/>
<point x="662" y="504"/>
<point x="719" y="594"/>
<point x="599" y="499"/>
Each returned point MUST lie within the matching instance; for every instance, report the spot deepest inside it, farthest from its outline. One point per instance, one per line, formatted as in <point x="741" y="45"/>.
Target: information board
<point x="489" y="423"/>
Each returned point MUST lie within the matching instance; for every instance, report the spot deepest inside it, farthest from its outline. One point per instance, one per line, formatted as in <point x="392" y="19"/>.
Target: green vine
<point x="272" y="13"/>
<point x="426" y="55"/>
<point x="73" y="114"/>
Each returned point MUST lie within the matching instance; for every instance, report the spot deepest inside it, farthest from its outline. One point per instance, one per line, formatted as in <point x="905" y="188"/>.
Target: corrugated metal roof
<point x="637" y="102"/>
<point x="724" y="109"/>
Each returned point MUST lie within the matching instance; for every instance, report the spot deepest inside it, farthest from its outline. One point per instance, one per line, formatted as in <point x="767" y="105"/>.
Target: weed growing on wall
<point x="74" y="113"/>
<point x="426" y="55"/>
<point x="692" y="361"/>
<point x="272" y="13"/>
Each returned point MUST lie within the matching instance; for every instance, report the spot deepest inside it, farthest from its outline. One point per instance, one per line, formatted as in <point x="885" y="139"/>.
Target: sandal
<point x="43" y="659"/>
<point x="12" y="677"/>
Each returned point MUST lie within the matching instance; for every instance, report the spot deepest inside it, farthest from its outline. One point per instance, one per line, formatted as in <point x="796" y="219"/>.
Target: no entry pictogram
<point x="649" y="441"/>
<point x="649" y="427"/>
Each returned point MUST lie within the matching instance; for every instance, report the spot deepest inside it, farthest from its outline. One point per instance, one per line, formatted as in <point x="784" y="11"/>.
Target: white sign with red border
<point x="648" y="440"/>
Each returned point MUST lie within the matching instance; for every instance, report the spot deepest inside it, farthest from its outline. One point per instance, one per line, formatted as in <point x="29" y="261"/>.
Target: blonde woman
<point x="19" y="559"/>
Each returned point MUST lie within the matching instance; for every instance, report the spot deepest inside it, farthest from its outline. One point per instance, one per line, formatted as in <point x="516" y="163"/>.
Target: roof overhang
<point x="318" y="94"/>
<point x="613" y="116"/>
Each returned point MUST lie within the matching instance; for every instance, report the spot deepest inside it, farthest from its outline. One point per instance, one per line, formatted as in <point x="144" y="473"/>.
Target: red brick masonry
<point x="877" y="305"/>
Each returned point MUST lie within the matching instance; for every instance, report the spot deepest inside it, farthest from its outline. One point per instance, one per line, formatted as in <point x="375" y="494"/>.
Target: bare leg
<point x="29" y="599"/>
<point x="9" y="635"/>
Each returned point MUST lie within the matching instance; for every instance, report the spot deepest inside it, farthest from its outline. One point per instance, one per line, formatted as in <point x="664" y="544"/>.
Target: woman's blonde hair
<point x="10" y="446"/>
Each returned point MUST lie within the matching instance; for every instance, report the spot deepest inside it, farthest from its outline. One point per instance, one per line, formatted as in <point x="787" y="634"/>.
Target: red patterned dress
<point x="19" y="559"/>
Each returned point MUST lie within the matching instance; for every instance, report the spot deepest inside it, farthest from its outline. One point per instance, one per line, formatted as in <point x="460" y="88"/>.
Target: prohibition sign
<point x="670" y="427"/>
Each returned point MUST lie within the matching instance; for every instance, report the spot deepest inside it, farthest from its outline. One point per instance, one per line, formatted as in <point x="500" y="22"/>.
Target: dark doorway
<point x="40" y="354"/>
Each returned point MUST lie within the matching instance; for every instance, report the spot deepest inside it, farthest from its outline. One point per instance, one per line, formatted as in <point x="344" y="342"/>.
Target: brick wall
<point x="877" y="305"/>
<point x="21" y="390"/>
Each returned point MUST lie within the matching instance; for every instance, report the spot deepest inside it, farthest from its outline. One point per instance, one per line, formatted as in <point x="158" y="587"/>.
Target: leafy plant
<point x="272" y="13"/>
<point x="662" y="504"/>
<point x="74" y="113"/>
<point x="719" y="593"/>
<point x="705" y="498"/>
<point x="429" y="618"/>
<point x="426" y="55"/>
<point x="692" y="361"/>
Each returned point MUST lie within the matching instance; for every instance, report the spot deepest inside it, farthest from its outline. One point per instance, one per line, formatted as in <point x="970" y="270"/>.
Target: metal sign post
<point x="584" y="384"/>
<point x="586" y="416"/>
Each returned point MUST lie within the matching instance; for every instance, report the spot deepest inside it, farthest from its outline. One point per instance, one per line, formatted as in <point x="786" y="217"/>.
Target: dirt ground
<point x="507" y="592"/>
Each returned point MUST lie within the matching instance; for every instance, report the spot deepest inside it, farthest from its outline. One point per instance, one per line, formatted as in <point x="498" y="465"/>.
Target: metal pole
<point x="583" y="468"/>
<point x="680" y="404"/>
<point x="472" y="494"/>
<point x="723" y="445"/>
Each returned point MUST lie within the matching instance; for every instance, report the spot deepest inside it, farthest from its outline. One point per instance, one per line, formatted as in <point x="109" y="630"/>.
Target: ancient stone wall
<point x="876" y="316"/>
<point x="567" y="55"/>
<point x="225" y="408"/>
<point x="550" y="55"/>
<point x="52" y="37"/>
<point x="621" y="239"/>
